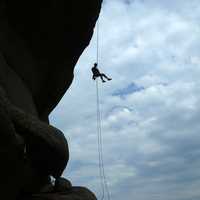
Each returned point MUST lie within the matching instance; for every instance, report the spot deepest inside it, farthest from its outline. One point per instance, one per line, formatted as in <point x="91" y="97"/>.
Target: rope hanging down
<point x="97" y="42"/>
<point x="104" y="183"/>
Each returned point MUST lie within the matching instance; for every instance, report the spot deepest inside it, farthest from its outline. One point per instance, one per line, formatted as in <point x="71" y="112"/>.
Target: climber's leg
<point x="101" y="76"/>
<point x="106" y="77"/>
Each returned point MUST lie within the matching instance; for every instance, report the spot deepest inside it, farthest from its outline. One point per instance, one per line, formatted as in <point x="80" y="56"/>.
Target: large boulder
<point x="48" y="38"/>
<point x="40" y="43"/>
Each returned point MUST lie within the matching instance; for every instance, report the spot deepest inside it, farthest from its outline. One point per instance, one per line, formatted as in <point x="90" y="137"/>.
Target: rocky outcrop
<point x="47" y="37"/>
<point x="40" y="43"/>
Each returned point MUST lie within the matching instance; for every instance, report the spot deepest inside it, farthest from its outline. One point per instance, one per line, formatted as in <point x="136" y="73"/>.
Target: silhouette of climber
<point x="96" y="74"/>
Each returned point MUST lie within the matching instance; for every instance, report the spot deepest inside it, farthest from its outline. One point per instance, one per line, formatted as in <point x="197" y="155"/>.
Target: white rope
<point x="103" y="180"/>
<point x="97" y="42"/>
<point x="99" y="141"/>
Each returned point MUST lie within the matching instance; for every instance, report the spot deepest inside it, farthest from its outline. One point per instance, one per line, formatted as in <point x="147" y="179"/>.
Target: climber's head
<point x="95" y="64"/>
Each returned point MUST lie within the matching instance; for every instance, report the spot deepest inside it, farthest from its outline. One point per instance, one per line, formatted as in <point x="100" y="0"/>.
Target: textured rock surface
<point x="40" y="43"/>
<point x="76" y="193"/>
<point x="48" y="40"/>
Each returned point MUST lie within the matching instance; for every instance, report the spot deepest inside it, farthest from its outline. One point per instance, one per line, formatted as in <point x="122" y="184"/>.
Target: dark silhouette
<point x="40" y="43"/>
<point x="96" y="74"/>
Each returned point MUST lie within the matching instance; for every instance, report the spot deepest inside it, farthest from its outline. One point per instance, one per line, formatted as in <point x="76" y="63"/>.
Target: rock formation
<point x="40" y="43"/>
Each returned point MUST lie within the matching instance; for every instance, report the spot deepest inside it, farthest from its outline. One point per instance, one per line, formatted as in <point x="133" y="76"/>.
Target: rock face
<point x="40" y="43"/>
<point x="54" y="35"/>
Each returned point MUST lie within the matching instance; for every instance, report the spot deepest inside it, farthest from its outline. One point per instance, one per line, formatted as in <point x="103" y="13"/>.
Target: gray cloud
<point x="151" y="137"/>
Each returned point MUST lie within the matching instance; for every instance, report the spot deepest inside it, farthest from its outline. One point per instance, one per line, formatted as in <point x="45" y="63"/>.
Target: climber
<point x="96" y="73"/>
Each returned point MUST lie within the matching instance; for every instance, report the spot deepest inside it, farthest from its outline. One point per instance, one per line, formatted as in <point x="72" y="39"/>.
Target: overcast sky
<point x="150" y="110"/>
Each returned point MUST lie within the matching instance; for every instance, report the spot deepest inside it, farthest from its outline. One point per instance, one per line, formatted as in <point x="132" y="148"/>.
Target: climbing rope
<point x="103" y="179"/>
<point x="97" y="42"/>
<point x="99" y="141"/>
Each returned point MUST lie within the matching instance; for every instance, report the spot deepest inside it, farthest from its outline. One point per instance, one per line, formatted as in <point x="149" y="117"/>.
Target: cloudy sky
<point x="150" y="110"/>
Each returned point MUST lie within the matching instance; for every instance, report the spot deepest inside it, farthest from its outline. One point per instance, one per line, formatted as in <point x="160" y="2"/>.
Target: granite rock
<point x="40" y="44"/>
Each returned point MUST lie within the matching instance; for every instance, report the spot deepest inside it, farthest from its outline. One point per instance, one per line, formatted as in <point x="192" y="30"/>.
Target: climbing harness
<point x="103" y="179"/>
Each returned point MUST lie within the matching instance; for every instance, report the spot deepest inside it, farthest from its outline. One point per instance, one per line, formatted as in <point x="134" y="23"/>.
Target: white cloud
<point x="150" y="137"/>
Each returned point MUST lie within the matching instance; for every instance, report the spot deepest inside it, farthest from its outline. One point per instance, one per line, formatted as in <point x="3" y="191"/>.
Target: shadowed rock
<point x="47" y="38"/>
<point x="76" y="193"/>
<point x="40" y="43"/>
